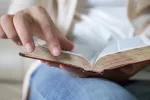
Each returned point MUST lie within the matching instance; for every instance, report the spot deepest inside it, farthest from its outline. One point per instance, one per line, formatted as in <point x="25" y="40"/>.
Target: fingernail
<point x="29" y="47"/>
<point x="55" y="51"/>
<point x="19" y="43"/>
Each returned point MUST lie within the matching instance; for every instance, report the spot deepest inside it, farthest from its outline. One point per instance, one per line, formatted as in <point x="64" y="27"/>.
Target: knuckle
<point x="29" y="20"/>
<point x="38" y="8"/>
<point x="18" y="16"/>
<point x="4" y="18"/>
<point x="23" y="16"/>
<point x="52" y="42"/>
<point x="46" y="28"/>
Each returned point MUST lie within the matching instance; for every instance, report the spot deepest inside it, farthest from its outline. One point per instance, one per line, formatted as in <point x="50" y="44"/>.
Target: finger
<point x="23" y="25"/>
<point x="9" y="29"/>
<point x="2" y="33"/>
<point x="65" y="43"/>
<point x="127" y="69"/>
<point x="77" y="71"/>
<point x="49" y="63"/>
<point x="48" y="28"/>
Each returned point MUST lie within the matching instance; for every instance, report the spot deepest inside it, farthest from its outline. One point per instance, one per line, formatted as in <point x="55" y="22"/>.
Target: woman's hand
<point x="74" y="70"/>
<point x="35" y="21"/>
<point x="118" y="75"/>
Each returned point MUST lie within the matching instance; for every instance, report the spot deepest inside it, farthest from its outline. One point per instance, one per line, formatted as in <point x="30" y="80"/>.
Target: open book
<point x="116" y="54"/>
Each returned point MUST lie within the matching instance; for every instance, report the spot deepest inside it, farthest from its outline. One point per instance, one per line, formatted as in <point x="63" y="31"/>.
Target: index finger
<point x="48" y="28"/>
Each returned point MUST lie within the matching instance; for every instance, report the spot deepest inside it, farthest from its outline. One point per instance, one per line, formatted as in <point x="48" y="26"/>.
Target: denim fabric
<point x="140" y="89"/>
<point x="49" y="83"/>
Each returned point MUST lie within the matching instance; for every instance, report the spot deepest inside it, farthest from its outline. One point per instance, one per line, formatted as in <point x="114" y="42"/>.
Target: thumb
<point x="65" y="43"/>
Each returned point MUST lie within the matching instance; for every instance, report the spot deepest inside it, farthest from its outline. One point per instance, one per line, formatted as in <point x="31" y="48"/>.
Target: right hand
<point x="34" y="21"/>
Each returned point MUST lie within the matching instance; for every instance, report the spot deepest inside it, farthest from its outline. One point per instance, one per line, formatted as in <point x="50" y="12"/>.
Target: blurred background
<point x="12" y="66"/>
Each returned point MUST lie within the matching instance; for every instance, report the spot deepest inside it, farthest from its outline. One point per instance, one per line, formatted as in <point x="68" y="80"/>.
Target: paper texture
<point x="117" y="54"/>
<point x="68" y="58"/>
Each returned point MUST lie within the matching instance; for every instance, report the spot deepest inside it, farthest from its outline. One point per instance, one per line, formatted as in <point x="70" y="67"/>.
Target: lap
<point x="49" y="83"/>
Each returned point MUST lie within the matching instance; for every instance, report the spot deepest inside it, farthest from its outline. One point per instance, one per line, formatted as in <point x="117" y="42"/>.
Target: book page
<point x="79" y="57"/>
<point x="71" y="59"/>
<point x="122" y="45"/>
<point x="130" y="51"/>
<point x="123" y="58"/>
<point x="119" y="45"/>
<point x="111" y="48"/>
<point x="81" y="50"/>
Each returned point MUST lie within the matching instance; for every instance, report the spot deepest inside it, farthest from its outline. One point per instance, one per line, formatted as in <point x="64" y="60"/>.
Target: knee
<point x="44" y="76"/>
<point x="51" y="84"/>
<point x="55" y="84"/>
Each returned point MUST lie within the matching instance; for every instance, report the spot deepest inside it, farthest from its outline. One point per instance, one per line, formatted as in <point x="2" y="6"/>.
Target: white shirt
<point x="102" y="21"/>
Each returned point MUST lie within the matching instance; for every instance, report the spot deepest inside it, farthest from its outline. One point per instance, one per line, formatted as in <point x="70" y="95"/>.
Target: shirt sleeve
<point x="17" y="5"/>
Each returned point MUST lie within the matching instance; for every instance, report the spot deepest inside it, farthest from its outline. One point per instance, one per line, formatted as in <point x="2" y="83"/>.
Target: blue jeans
<point x="49" y="83"/>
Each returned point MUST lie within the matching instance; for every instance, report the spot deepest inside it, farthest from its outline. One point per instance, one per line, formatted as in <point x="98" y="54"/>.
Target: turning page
<point x="122" y="45"/>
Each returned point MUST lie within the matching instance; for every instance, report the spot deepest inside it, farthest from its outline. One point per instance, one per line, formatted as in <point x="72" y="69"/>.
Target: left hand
<point x="75" y="70"/>
<point x="118" y="75"/>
